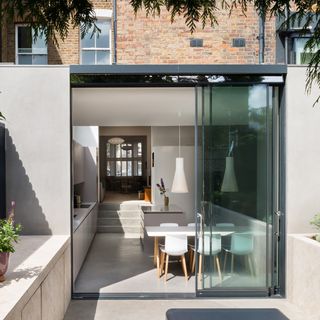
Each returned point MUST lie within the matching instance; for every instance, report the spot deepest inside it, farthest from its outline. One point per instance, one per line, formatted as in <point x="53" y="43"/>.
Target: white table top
<point x="157" y="231"/>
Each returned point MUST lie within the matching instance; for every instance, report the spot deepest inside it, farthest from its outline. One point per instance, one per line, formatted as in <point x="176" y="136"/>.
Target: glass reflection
<point x="236" y="161"/>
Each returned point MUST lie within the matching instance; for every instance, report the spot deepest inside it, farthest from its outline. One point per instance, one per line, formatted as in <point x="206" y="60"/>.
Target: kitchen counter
<point x="81" y="214"/>
<point x="154" y="209"/>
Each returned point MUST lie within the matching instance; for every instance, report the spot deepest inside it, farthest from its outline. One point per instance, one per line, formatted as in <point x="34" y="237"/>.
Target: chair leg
<point x="200" y="265"/>
<point x="232" y="262"/>
<point x="162" y="255"/>
<point x="251" y="265"/>
<point x="225" y="261"/>
<point x="218" y="267"/>
<point x="193" y="262"/>
<point x="184" y="266"/>
<point x="166" y="269"/>
<point x="191" y="257"/>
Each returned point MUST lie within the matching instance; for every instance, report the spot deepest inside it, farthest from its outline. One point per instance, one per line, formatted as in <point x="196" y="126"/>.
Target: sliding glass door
<point x="237" y="189"/>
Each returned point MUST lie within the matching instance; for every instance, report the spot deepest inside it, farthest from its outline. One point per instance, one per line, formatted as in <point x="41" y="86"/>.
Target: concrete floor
<point x="118" y="265"/>
<point x="156" y="309"/>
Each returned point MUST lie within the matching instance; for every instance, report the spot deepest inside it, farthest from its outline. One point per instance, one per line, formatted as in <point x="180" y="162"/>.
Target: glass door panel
<point x="235" y="161"/>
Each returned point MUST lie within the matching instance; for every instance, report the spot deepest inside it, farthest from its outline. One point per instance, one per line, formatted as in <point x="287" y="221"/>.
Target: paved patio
<point x="156" y="309"/>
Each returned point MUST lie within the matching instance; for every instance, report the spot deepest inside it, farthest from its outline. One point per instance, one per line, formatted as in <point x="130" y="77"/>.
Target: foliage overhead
<point x="301" y="13"/>
<point x="53" y="18"/>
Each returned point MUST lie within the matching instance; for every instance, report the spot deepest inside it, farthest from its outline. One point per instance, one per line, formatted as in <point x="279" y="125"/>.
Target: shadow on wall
<point x="28" y="211"/>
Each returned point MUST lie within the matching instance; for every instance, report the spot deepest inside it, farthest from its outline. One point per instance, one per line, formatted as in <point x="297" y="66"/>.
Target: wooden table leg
<point x="156" y="251"/>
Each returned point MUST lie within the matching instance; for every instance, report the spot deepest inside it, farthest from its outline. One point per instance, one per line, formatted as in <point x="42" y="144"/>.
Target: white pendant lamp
<point x="179" y="184"/>
<point x="116" y="140"/>
<point x="229" y="182"/>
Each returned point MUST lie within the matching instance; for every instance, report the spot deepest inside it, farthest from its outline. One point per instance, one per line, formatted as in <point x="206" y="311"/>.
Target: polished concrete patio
<point x="156" y="309"/>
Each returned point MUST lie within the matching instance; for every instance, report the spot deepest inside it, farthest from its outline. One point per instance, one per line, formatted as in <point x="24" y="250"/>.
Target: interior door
<point x="236" y="165"/>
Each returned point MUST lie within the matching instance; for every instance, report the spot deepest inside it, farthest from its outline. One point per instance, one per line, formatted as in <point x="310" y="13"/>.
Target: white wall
<point x="164" y="142"/>
<point x="302" y="130"/>
<point x="35" y="101"/>
<point x="88" y="138"/>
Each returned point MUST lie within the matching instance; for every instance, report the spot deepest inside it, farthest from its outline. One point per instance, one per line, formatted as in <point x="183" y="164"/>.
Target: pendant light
<point x="229" y="182"/>
<point x="179" y="184"/>
<point x="116" y="140"/>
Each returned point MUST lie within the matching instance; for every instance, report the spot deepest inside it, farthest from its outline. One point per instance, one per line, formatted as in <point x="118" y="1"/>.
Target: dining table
<point x="190" y="231"/>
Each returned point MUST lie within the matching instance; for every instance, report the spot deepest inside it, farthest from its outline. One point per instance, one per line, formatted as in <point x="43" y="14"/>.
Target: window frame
<point x="114" y="159"/>
<point x="104" y="15"/>
<point x="17" y="54"/>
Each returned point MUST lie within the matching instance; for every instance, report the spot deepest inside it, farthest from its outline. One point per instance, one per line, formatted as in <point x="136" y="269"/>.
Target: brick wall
<point x="154" y="40"/>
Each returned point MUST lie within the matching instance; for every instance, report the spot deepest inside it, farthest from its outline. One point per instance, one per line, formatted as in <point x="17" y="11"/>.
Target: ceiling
<point x="133" y="106"/>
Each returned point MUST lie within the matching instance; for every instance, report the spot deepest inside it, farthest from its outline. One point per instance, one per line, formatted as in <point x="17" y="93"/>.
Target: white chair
<point x="160" y="245"/>
<point x="175" y="245"/>
<point x="208" y="249"/>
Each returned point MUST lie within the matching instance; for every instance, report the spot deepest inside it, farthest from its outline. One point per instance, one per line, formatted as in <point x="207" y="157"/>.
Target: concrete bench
<point x="225" y="314"/>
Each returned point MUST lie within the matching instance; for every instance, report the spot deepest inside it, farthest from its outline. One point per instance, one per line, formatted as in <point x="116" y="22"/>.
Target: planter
<point x="303" y="278"/>
<point x="4" y="262"/>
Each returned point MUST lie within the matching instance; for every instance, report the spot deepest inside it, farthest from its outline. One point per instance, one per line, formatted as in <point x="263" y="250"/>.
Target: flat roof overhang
<point x="181" y="69"/>
<point x="186" y="75"/>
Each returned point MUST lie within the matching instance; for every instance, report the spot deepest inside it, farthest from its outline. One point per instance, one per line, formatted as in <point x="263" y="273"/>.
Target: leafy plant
<point x="316" y="222"/>
<point x="9" y="234"/>
<point x="162" y="187"/>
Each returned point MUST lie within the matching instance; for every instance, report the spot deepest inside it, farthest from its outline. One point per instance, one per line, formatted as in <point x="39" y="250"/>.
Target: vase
<point x="166" y="201"/>
<point x="4" y="262"/>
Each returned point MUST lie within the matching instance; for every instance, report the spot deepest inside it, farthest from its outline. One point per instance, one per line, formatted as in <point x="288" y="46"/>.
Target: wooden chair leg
<point x="162" y="255"/>
<point x="166" y="269"/>
<point x="184" y="266"/>
<point x="191" y="257"/>
<point x="232" y="262"/>
<point x="200" y="266"/>
<point x="193" y="262"/>
<point x="251" y="265"/>
<point x="218" y="268"/>
<point x="225" y="261"/>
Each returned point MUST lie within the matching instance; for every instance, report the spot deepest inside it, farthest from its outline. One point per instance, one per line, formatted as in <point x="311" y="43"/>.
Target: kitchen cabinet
<point x="85" y="227"/>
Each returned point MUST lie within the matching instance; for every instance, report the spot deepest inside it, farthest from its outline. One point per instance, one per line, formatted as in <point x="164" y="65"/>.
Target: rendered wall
<point x="302" y="149"/>
<point x="36" y="104"/>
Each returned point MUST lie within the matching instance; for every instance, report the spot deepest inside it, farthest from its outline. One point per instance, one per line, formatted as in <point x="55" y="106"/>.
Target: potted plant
<point x="9" y="234"/>
<point x="163" y="191"/>
<point x="316" y="222"/>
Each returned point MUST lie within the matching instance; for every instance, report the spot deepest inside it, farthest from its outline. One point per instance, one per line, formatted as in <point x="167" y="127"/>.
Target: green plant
<point x="9" y="234"/>
<point x="316" y="222"/>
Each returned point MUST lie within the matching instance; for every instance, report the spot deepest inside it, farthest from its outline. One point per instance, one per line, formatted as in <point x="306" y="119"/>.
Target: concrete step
<point x="119" y="214"/>
<point x="133" y="204"/>
<point x="119" y="229"/>
<point x="109" y="206"/>
<point x="127" y="222"/>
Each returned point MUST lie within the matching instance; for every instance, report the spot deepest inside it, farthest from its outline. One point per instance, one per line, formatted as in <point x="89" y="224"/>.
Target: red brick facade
<point x="149" y="40"/>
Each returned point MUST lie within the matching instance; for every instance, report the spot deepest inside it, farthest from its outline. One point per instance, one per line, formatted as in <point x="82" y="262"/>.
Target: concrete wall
<point x="302" y="150"/>
<point x="35" y="101"/>
<point x="88" y="138"/>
